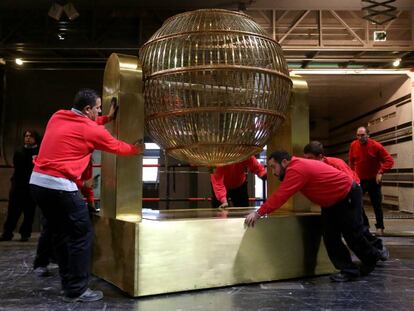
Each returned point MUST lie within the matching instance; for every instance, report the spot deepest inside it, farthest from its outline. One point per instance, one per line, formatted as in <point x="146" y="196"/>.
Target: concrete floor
<point x="389" y="287"/>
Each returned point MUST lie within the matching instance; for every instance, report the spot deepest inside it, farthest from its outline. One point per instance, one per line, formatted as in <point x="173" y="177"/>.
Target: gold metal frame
<point x="120" y="197"/>
<point x="180" y="250"/>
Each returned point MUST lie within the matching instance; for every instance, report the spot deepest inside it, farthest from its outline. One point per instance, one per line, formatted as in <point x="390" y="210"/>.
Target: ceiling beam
<point x="347" y="27"/>
<point x="301" y="17"/>
<point x="343" y="5"/>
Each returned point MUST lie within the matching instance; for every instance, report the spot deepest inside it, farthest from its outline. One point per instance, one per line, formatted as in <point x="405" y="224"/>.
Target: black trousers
<point x="45" y="250"/>
<point x="69" y="223"/>
<point x="20" y="202"/>
<point x="375" y="195"/>
<point x="374" y="240"/>
<point x="239" y="196"/>
<point x="344" y="219"/>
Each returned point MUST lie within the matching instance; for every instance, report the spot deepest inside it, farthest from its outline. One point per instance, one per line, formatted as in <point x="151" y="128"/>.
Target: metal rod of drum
<point x="189" y="199"/>
<point x="167" y="179"/>
<point x="173" y="174"/>
<point x="143" y="165"/>
<point x="174" y="199"/>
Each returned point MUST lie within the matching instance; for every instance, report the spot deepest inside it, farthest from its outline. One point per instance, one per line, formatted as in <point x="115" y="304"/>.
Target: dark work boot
<point x="342" y="277"/>
<point x="384" y="253"/>
<point x="87" y="296"/>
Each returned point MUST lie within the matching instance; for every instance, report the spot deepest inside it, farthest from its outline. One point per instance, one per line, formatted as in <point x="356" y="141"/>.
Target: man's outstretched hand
<point x="251" y="219"/>
<point x="113" y="109"/>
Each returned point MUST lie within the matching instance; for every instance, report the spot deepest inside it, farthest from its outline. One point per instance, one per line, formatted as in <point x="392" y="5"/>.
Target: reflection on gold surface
<point x="216" y="86"/>
<point x="292" y="136"/>
<point x="186" y="253"/>
<point x="210" y="213"/>
<point x="121" y="194"/>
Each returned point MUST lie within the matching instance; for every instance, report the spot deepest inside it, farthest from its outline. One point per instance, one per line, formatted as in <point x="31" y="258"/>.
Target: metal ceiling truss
<point x="337" y="38"/>
<point x="342" y="37"/>
<point x="379" y="11"/>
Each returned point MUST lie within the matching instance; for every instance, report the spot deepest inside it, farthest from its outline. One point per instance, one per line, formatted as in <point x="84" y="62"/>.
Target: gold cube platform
<point x="181" y="250"/>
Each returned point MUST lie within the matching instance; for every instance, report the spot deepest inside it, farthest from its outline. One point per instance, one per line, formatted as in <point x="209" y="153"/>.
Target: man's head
<point x="362" y="134"/>
<point x="278" y="161"/>
<point x="31" y="138"/>
<point x="88" y="101"/>
<point x="313" y="151"/>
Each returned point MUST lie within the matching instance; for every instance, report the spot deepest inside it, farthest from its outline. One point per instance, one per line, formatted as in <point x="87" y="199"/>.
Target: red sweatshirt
<point x="319" y="182"/>
<point x="69" y="142"/>
<point x="102" y="120"/>
<point x="87" y="174"/>
<point x="233" y="176"/>
<point x="86" y="191"/>
<point x="369" y="159"/>
<point x="342" y="166"/>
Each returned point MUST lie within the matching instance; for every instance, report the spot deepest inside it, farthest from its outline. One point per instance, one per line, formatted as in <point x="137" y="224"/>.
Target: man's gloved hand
<point x="140" y="145"/>
<point x="264" y="177"/>
<point x="113" y="109"/>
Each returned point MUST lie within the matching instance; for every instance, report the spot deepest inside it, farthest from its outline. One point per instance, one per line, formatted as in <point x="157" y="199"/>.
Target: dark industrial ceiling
<point x="122" y="26"/>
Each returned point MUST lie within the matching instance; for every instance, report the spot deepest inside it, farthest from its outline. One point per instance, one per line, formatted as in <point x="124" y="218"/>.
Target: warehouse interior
<point x="353" y="78"/>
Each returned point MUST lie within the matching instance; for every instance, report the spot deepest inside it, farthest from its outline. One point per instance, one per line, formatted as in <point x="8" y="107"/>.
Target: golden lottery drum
<point x="216" y="87"/>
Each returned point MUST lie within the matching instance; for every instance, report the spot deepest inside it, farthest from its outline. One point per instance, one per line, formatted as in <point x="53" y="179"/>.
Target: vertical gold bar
<point x="122" y="186"/>
<point x="292" y="136"/>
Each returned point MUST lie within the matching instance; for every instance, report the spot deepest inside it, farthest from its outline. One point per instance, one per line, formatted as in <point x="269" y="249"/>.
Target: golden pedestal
<point x="146" y="252"/>
<point x="158" y="255"/>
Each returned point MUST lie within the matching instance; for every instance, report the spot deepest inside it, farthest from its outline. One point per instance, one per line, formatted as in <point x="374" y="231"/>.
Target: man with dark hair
<point x="230" y="181"/>
<point x="70" y="138"/>
<point x="20" y="199"/>
<point x="341" y="214"/>
<point x="44" y="251"/>
<point x="314" y="151"/>
<point x="369" y="159"/>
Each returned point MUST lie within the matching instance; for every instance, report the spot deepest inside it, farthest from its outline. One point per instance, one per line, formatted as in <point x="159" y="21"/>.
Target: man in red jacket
<point x="314" y="150"/>
<point x="44" y="251"/>
<point x="230" y="181"/>
<point x="69" y="140"/>
<point x="369" y="159"/>
<point x="341" y="214"/>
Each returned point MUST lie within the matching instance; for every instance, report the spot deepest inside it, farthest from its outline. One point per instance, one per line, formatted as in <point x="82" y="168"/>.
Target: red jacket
<point x="233" y="176"/>
<point x="319" y="182"/>
<point x="69" y="142"/>
<point x="370" y="159"/>
<point x="102" y="120"/>
<point x="86" y="191"/>
<point x="342" y="166"/>
<point x="87" y="174"/>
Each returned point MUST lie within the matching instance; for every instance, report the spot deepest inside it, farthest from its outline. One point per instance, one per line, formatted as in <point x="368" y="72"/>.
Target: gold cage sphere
<point x="216" y="86"/>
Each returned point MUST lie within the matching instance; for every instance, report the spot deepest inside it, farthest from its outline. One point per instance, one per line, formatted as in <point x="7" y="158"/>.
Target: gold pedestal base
<point x="163" y="254"/>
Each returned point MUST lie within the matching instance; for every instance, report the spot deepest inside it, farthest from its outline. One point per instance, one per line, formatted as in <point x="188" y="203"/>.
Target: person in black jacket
<point x="20" y="199"/>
